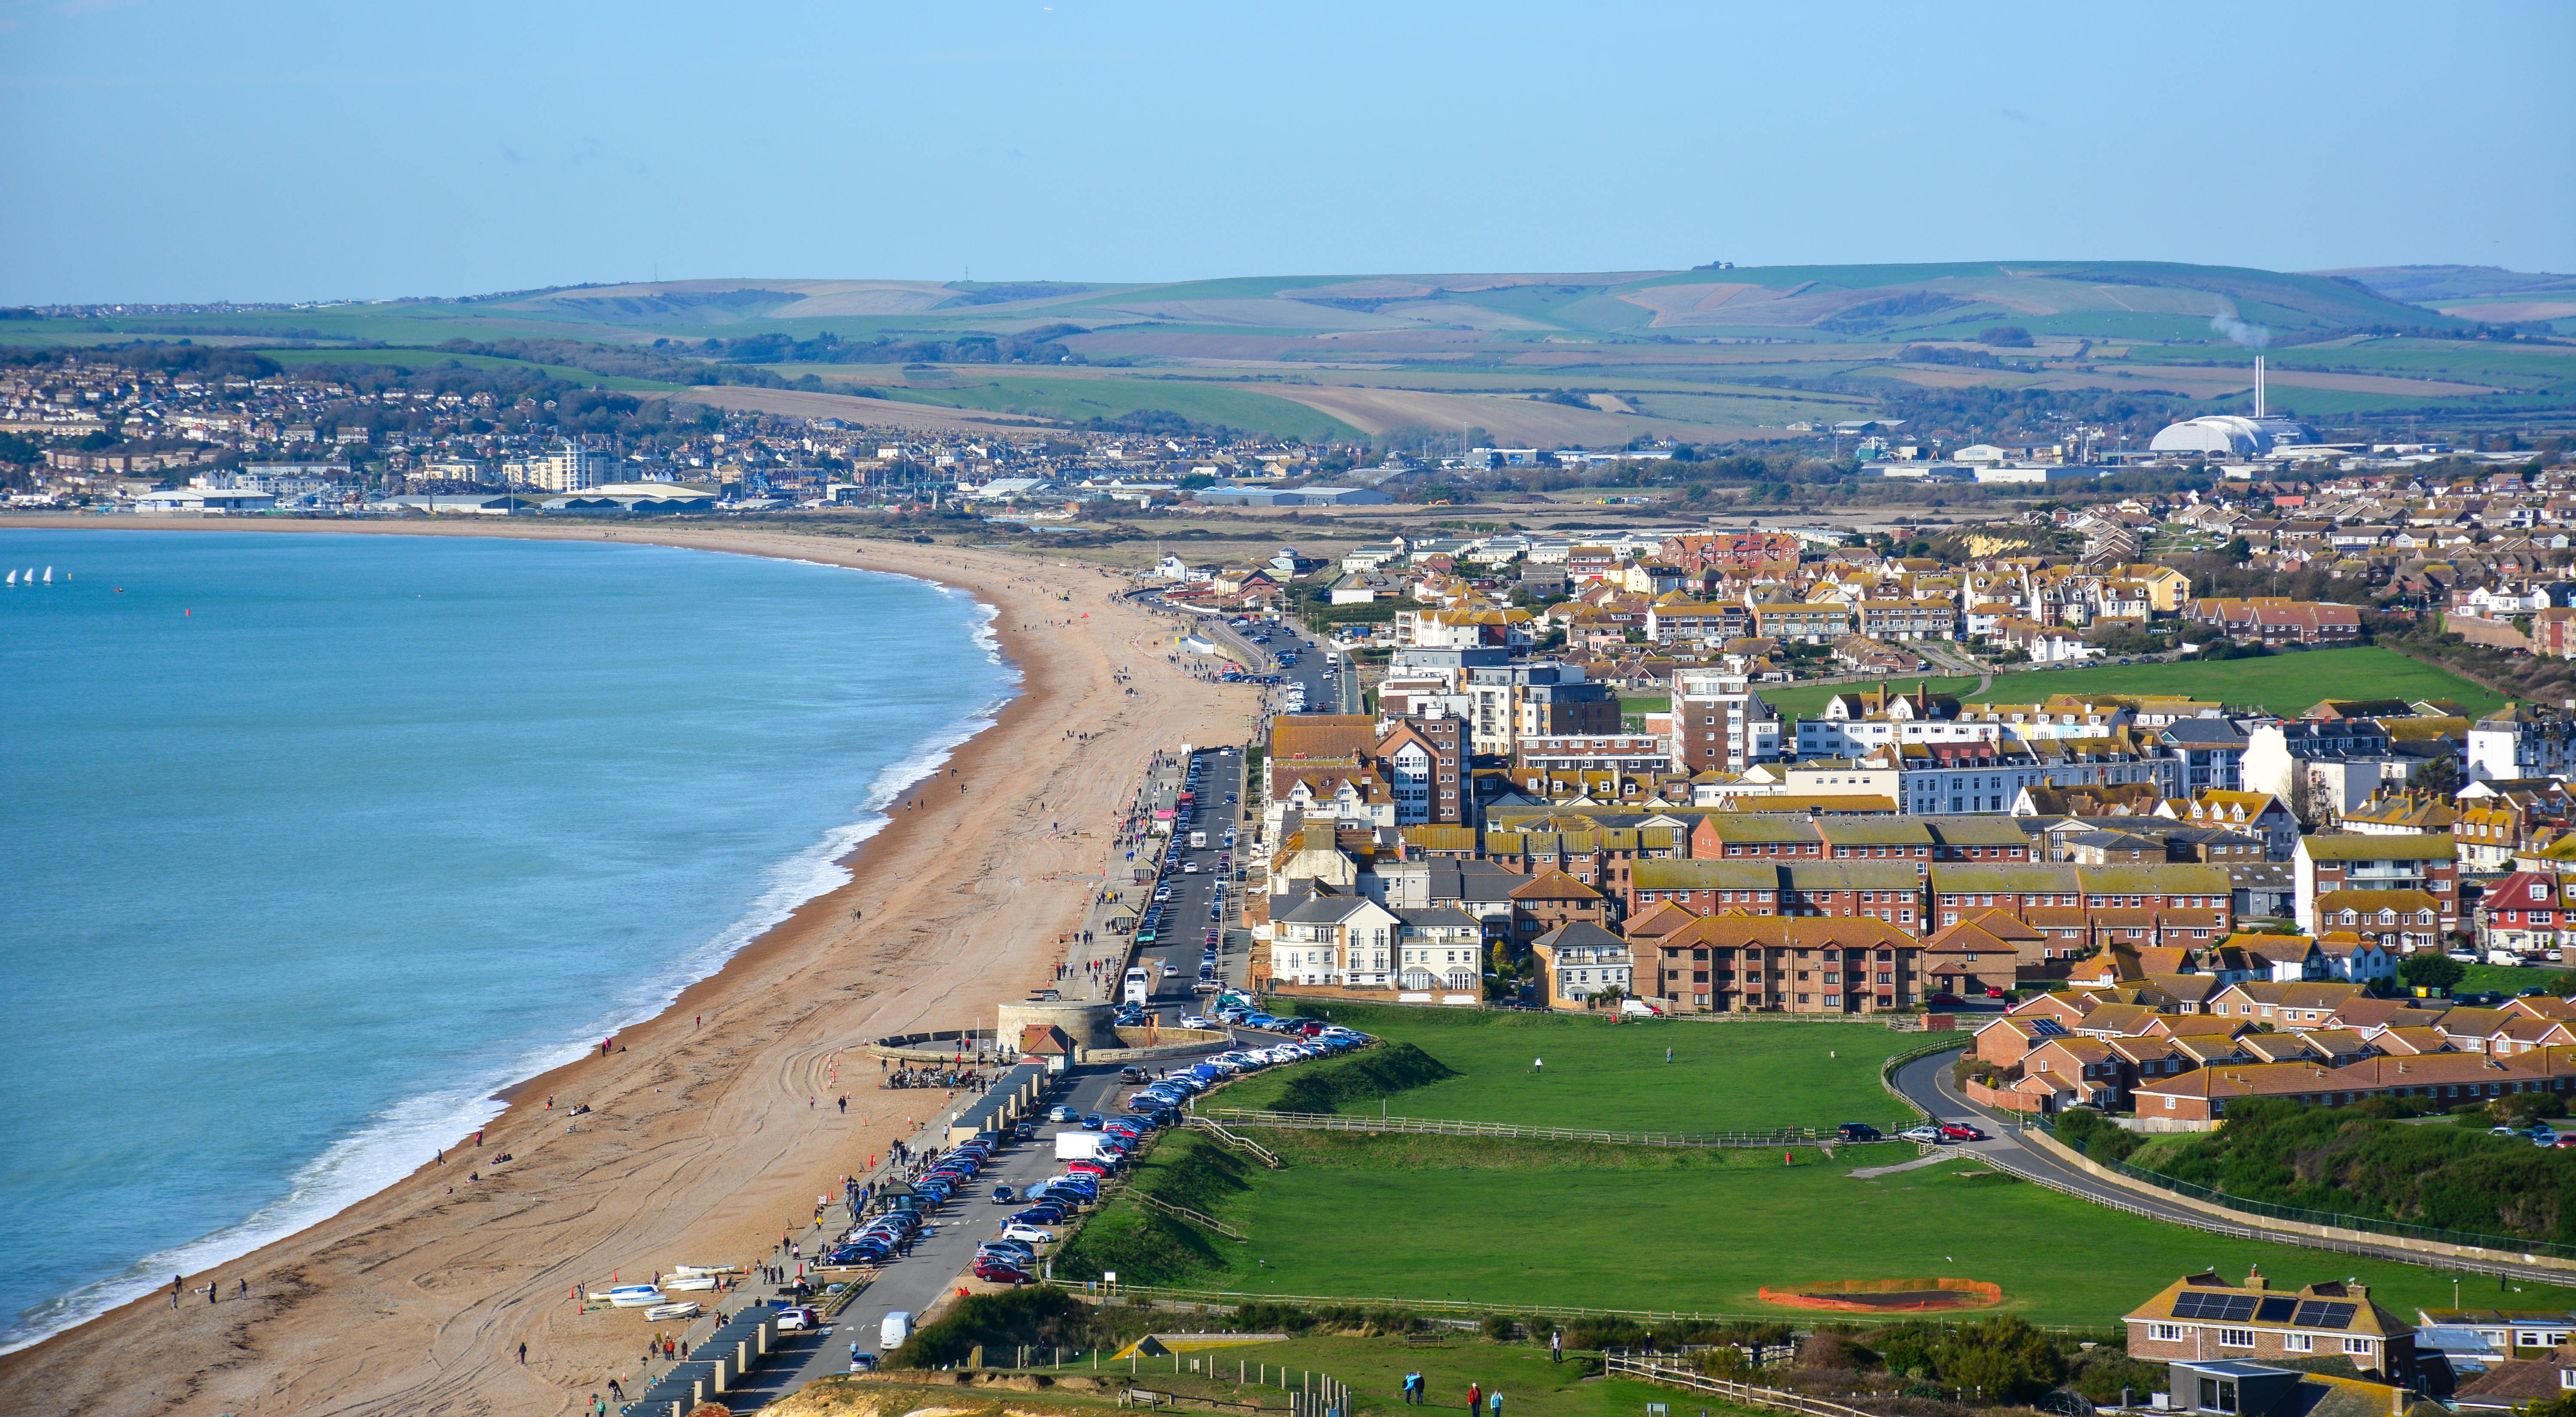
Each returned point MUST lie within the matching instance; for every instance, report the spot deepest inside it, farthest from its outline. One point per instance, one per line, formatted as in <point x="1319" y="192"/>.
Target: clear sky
<point x="189" y="150"/>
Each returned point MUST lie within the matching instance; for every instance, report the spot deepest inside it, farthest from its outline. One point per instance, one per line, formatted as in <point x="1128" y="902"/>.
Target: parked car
<point x="1921" y="1134"/>
<point x="1030" y="1233"/>
<point x="1857" y="1131"/>
<point x="798" y="1319"/>
<point x="1062" y="1114"/>
<point x="1961" y="1131"/>
<point x="1004" y="1195"/>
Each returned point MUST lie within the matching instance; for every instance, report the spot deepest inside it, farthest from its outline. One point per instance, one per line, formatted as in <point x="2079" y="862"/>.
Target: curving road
<point x="1926" y="1083"/>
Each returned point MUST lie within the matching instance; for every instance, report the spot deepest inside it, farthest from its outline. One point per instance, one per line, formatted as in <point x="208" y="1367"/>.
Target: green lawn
<point x="2512" y="979"/>
<point x="2283" y="683"/>
<point x="1374" y="1368"/>
<point x="1614" y="1076"/>
<point x="1808" y="700"/>
<point x="1441" y="1218"/>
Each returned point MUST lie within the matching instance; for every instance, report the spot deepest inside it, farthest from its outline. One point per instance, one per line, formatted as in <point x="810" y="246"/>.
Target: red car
<point x="1961" y="1131"/>
<point x="1994" y="993"/>
<point x="993" y="1272"/>
<point x="1087" y="1168"/>
<point x="1945" y="1001"/>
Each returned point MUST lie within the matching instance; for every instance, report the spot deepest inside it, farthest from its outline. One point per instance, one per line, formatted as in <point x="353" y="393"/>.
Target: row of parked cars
<point x="881" y="1239"/>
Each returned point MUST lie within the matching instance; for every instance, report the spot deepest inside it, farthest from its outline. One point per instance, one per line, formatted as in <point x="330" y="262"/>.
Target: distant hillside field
<point x="1704" y="356"/>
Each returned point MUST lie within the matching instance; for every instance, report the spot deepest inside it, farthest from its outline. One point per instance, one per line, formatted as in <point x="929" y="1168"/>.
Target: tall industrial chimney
<point x="2258" y="386"/>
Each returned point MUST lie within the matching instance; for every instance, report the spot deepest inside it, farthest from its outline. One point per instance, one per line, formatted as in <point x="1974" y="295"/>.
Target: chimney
<point x="2254" y="1279"/>
<point x="2258" y="386"/>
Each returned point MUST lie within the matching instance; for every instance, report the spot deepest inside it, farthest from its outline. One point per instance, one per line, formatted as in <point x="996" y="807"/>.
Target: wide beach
<point x="704" y="1142"/>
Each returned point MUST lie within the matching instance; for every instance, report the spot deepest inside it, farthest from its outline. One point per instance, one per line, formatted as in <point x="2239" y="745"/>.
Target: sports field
<point x="1648" y="1228"/>
<point x="1615" y="1077"/>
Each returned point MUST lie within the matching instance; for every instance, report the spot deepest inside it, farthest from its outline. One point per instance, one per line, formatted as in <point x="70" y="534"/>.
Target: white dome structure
<point x="2227" y="435"/>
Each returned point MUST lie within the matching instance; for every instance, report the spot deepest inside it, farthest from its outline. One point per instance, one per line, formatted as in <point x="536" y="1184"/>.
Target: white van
<point x="895" y="1329"/>
<point x="1138" y="987"/>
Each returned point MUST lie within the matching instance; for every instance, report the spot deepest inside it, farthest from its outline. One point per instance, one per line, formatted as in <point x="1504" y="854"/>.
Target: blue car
<point x="1091" y="1122"/>
<point x="1002" y="1195"/>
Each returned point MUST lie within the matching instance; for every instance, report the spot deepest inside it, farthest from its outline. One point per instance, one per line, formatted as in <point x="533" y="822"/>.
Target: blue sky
<point x="187" y="150"/>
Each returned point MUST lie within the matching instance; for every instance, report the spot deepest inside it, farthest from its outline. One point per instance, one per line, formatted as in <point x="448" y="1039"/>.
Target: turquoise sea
<point x="312" y="842"/>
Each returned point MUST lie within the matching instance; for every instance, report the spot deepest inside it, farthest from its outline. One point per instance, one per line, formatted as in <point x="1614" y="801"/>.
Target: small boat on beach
<point x="662" y="1313"/>
<point x="630" y="1296"/>
<point x="692" y="1271"/>
<point x="690" y="1282"/>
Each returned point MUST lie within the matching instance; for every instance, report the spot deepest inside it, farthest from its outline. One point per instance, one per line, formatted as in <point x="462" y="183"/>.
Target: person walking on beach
<point x="178" y="1283"/>
<point x="523" y="1355"/>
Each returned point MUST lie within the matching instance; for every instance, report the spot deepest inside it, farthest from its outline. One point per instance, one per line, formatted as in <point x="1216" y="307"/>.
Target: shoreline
<point x="747" y="986"/>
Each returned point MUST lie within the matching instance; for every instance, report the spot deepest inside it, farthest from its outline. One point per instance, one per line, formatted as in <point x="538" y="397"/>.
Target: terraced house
<point x="2093" y="907"/>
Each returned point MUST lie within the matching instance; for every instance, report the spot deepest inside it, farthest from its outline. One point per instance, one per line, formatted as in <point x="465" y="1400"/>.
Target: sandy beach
<point x="704" y="1141"/>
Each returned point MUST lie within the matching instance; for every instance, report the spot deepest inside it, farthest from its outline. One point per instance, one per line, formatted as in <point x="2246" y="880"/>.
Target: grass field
<point x="1808" y="700"/>
<point x="1614" y="1076"/>
<point x="1643" y="1228"/>
<point x="2283" y="683"/>
<point x="2512" y="979"/>
<point x="1078" y="399"/>
<point x="416" y="359"/>
<point x="1373" y="1368"/>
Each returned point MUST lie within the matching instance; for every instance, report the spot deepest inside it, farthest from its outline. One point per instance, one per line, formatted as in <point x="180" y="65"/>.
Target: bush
<point x="1040" y="1315"/>
<point x="1501" y="1328"/>
<point x="2096" y="1136"/>
<point x="1263" y="1316"/>
<point x="1364" y="1076"/>
<point x="2100" y="1375"/>
<point x="2432" y="971"/>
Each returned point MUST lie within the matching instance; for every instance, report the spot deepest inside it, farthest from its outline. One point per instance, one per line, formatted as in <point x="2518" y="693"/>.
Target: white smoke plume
<point x="2250" y="336"/>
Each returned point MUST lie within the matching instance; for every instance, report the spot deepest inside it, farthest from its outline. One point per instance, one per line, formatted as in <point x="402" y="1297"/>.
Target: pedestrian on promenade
<point x="177" y="1284"/>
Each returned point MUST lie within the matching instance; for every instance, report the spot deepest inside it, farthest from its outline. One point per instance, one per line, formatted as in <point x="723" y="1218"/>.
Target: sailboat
<point x="49" y="575"/>
<point x="13" y="578"/>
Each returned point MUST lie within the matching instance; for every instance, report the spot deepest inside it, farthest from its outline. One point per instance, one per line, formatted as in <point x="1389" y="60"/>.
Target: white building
<point x="203" y="502"/>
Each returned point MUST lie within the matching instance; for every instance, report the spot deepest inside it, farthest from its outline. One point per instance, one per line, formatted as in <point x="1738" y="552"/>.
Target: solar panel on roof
<point x="2324" y="1313"/>
<point x="2214" y="1308"/>
<point x="2276" y="1309"/>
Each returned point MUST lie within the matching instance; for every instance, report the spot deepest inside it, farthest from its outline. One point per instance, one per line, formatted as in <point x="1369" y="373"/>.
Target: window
<point x="2359" y="1345"/>
<point x="2299" y="1342"/>
<point x="2236" y="1338"/>
<point x="2168" y="1333"/>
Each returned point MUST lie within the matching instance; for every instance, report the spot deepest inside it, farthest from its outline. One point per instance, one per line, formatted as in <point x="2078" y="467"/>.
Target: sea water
<point x="309" y="843"/>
